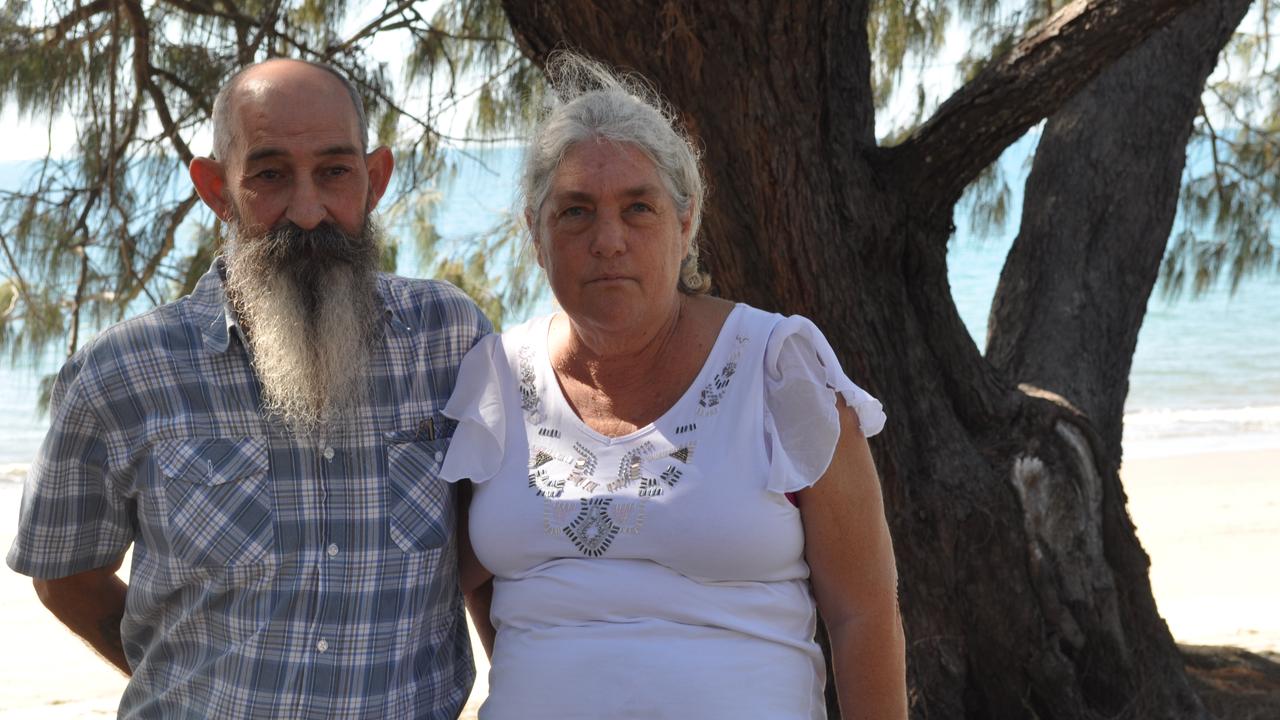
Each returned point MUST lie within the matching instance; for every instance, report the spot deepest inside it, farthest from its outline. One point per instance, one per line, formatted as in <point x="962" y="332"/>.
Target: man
<point x="269" y="446"/>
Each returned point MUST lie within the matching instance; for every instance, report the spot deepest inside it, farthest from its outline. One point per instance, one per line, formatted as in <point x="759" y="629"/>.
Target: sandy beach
<point x="1210" y="522"/>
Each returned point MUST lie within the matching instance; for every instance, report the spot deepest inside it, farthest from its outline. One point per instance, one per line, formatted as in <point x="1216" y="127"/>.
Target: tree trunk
<point x="807" y="215"/>
<point x="1099" y="208"/>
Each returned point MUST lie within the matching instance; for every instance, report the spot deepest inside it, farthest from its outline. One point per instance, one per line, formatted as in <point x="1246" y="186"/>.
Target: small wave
<point x="13" y="473"/>
<point x="1186" y="430"/>
<point x="1180" y="421"/>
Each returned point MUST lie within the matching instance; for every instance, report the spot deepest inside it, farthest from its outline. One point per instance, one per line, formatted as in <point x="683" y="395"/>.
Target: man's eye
<point x="270" y="175"/>
<point x="337" y="171"/>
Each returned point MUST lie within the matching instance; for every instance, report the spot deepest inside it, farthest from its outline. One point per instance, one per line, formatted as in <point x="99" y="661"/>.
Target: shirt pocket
<point x="419" y="507"/>
<point x="218" y="498"/>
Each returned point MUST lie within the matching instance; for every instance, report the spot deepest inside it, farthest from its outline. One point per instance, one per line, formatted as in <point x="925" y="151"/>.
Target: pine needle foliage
<point x="1229" y="228"/>
<point x="111" y="228"/>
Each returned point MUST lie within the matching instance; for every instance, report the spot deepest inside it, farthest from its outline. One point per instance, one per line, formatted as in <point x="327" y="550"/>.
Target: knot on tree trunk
<point x="1062" y="494"/>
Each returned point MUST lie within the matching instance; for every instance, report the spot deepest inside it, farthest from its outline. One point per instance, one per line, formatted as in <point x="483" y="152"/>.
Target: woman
<point x="663" y="481"/>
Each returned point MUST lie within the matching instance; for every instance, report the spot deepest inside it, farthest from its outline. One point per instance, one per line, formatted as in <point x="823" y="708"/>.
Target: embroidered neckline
<point x="536" y="407"/>
<point x="617" y="505"/>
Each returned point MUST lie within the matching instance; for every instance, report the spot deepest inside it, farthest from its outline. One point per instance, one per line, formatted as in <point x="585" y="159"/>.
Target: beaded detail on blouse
<point x="618" y="503"/>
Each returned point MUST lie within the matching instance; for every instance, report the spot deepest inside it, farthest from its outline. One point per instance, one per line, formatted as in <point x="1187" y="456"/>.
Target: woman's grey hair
<point x="587" y="101"/>
<point x="224" y="124"/>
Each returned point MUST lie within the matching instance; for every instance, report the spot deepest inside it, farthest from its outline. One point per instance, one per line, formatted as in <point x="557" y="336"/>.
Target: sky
<point x="30" y="138"/>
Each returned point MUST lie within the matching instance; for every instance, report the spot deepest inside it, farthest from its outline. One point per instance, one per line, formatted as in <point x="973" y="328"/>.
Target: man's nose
<point x="306" y="207"/>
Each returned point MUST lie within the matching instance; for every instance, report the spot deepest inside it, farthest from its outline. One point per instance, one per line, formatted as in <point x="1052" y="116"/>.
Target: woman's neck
<point x="613" y="360"/>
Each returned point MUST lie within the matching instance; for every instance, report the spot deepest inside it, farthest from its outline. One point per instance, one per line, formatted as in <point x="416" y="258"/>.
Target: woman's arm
<point x="478" y="602"/>
<point x="476" y="581"/>
<point x="850" y="556"/>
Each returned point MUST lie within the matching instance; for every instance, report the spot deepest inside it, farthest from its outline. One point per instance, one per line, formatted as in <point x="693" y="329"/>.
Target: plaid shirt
<point x="272" y="577"/>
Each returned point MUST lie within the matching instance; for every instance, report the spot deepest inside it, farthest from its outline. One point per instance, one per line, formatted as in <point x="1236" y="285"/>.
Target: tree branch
<point x="201" y="99"/>
<point x="204" y="10"/>
<point x="73" y="342"/>
<point x="1218" y="183"/>
<point x="372" y="28"/>
<point x="23" y="288"/>
<point x="175" y="219"/>
<point x="1044" y="70"/>
<point x="59" y="30"/>
<point x="142" y="72"/>
<point x="266" y="28"/>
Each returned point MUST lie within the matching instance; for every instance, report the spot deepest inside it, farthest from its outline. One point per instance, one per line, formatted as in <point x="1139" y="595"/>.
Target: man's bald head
<point x="262" y="75"/>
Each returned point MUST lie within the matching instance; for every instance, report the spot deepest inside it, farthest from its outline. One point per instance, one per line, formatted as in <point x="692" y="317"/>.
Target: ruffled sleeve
<point x="477" y="448"/>
<point x="802" y="425"/>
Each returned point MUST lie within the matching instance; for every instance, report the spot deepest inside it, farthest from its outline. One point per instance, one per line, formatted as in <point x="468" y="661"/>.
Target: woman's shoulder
<point x="513" y="342"/>
<point x="501" y="351"/>
<point x="774" y="330"/>
<point x="727" y="316"/>
<point x="708" y="310"/>
<point x="770" y="327"/>
<point x="525" y="332"/>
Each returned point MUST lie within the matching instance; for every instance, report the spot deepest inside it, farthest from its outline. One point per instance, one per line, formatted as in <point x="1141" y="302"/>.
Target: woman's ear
<point x="531" y="222"/>
<point x="686" y="226"/>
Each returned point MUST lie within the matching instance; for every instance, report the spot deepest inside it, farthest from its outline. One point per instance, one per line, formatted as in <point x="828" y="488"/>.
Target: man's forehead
<point x="261" y="87"/>
<point x="305" y="110"/>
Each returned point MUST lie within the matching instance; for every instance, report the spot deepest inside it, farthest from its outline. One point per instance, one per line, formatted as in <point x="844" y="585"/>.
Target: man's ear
<point x="211" y="185"/>
<point x="379" y="164"/>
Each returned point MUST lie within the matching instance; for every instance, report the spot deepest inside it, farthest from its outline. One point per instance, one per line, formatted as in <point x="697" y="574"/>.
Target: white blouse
<point x="661" y="573"/>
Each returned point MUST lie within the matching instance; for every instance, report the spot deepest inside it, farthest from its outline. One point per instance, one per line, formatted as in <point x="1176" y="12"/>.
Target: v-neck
<point x="555" y="393"/>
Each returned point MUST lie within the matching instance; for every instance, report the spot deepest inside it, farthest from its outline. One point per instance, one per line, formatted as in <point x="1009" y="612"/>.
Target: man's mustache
<point x="288" y="246"/>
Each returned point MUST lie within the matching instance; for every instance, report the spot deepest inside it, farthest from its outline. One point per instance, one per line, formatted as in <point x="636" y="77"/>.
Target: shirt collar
<point x="219" y="323"/>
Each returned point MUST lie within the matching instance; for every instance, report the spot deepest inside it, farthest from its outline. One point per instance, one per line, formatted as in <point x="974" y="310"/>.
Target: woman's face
<point x="610" y="238"/>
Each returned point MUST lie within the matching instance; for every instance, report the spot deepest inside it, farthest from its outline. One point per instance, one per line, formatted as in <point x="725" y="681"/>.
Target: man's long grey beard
<point x="308" y="302"/>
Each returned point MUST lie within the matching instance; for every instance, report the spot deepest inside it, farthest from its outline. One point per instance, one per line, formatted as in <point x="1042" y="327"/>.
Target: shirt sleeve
<point x="802" y="425"/>
<point x="478" y="446"/>
<point x="72" y="518"/>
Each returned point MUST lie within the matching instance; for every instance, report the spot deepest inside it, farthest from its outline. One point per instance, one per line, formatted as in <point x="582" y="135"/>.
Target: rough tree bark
<point x="808" y="216"/>
<point x="1100" y="204"/>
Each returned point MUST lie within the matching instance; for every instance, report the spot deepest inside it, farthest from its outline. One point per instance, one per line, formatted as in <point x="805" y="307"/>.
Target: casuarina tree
<point x="1024" y="589"/>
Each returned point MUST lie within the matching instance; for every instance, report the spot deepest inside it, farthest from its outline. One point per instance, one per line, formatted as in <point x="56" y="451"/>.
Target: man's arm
<point x="91" y="604"/>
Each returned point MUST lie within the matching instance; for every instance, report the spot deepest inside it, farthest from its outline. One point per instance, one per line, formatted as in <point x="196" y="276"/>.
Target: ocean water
<point x="1206" y="372"/>
<point x="1206" y="375"/>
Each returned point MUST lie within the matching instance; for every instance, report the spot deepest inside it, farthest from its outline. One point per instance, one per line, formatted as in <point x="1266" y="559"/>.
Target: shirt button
<point x="332" y="550"/>
<point x="439" y="456"/>
<point x="322" y="646"/>
<point x="328" y="453"/>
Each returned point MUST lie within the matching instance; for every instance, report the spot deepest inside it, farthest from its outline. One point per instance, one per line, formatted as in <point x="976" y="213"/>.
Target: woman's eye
<point x="641" y="207"/>
<point x="573" y="211"/>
